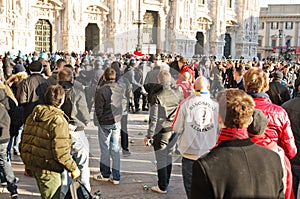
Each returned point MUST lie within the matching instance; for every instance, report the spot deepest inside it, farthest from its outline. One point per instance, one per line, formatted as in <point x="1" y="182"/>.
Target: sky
<point x="264" y="3"/>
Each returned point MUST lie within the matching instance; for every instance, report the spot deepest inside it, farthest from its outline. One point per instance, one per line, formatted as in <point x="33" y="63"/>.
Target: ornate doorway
<point x="43" y="36"/>
<point x="200" y="43"/>
<point x="227" y="47"/>
<point x="92" y="40"/>
<point x="150" y="27"/>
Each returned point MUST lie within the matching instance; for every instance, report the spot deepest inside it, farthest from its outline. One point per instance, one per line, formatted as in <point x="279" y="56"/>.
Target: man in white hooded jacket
<point x="196" y="123"/>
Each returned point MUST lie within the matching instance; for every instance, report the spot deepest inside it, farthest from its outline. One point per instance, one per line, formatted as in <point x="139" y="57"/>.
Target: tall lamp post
<point x="139" y="22"/>
<point x="280" y="35"/>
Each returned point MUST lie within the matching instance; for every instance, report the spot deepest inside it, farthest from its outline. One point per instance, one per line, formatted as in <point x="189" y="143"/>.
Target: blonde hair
<point x="164" y="76"/>
<point x="256" y="80"/>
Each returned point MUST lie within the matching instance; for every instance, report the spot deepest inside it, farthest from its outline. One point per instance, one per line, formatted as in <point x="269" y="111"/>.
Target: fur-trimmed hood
<point x="8" y="92"/>
<point x="16" y="78"/>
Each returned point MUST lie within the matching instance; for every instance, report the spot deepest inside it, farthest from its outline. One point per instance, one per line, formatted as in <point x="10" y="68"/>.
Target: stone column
<point x="297" y="35"/>
<point x="66" y="25"/>
<point x="161" y="29"/>
<point x="214" y="31"/>
<point x="172" y="26"/>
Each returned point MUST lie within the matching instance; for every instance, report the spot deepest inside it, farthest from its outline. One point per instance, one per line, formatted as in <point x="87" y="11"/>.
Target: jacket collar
<point x="235" y="143"/>
<point x="156" y="67"/>
<point x="109" y="82"/>
<point x="258" y="95"/>
<point x="66" y="84"/>
<point x="261" y="99"/>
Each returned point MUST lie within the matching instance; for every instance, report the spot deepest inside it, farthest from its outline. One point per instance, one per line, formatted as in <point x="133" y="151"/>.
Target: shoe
<point x="28" y="173"/>
<point x="137" y="110"/>
<point x="145" y="109"/>
<point x="16" y="180"/>
<point x="126" y="153"/>
<point x="4" y="183"/>
<point x="17" y="153"/>
<point x="92" y="197"/>
<point x="177" y="152"/>
<point x="62" y="195"/>
<point x="115" y="182"/>
<point x="99" y="177"/>
<point x="14" y="196"/>
<point x="158" y="190"/>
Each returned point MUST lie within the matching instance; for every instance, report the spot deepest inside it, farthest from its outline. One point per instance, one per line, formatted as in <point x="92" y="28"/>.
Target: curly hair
<point x="236" y="108"/>
<point x="54" y="95"/>
<point x="256" y="80"/>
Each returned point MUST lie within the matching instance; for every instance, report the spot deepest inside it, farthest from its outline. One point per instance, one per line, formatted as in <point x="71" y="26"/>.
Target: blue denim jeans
<point x="6" y="169"/>
<point x="14" y="141"/>
<point x="164" y="144"/>
<point x="296" y="178"/>
<point x="80" y="153"/>
<point x="109" y="136"/>
<point x="187" y="172"/>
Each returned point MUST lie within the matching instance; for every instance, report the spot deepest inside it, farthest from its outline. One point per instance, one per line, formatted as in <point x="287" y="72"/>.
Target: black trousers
<point x="164" y="144"/>
<point x="124" y="133"/>
<point x="137" y="96"/>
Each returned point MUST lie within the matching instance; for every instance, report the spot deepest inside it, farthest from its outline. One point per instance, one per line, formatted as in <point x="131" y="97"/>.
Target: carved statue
<point x="74" y="11"/>
<point x="171" y="22"/>
<point x="180" y="22"/>
<point x="120" y="17"/>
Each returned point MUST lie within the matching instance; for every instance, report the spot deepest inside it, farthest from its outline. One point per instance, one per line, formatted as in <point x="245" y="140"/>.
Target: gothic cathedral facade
<point x="187" y="27"/>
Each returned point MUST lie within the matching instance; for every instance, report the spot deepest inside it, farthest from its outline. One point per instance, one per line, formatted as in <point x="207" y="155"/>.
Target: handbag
<point x="76" y="191"/>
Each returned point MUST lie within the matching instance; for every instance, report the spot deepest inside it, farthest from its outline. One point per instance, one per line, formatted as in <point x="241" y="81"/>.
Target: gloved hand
<point x="75" y="173"/>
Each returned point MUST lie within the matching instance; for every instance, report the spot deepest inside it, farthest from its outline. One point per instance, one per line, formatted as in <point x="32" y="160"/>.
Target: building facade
<point x="279" y="31"/>
<point x="187" y="27"/>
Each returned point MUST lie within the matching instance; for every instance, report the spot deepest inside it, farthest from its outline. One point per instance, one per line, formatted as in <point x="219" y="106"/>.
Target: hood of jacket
<point x="16" y="78"/>
<point x="2" y="94"/>
<point x="44" y="112"/>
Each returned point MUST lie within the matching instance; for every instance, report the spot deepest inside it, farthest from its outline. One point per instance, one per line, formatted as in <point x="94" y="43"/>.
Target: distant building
<point x="188" y="27"/>
<point x="279" y="31"/>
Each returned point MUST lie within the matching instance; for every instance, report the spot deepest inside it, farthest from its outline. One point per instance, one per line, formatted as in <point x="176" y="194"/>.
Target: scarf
<point x="261" y="140"/>
<point x="232" y="134"/>
<point x="258" y="95"/>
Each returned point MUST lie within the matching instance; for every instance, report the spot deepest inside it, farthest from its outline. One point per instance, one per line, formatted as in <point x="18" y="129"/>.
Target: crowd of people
<point x="223" y="116"/>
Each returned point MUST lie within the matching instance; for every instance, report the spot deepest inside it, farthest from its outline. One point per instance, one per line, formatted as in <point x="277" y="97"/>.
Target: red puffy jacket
<point x="279" y="127"/>
<point x="264" y="141"/>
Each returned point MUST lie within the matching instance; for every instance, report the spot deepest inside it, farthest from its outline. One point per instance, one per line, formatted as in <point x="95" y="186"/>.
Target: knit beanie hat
<point x="259" y="123"/>
<point x="18" y="68"/>
<point x="36" y="66"/>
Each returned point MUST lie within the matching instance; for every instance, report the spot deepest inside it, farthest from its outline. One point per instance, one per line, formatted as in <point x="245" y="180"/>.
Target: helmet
<point x="126" y="61"/>
<point x="56" y="57"/>
<point x="107" y="62"/>
<point x="132" y="62"/>
<point x="44" y="56"/>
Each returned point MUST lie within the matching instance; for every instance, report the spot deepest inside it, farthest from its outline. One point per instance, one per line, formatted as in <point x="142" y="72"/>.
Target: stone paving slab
<point x="136" y="170"/>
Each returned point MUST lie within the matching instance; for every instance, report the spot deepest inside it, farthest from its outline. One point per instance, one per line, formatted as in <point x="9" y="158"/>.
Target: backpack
<point x="76" y="191"/>
<point x="4" y="122"/>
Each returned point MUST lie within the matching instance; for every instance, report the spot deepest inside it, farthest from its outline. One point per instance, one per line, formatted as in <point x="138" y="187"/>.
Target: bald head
<point x="201" y="83"/>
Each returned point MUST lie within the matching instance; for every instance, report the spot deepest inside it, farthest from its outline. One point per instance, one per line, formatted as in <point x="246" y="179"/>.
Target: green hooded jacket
<point x="46" y="142"/>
